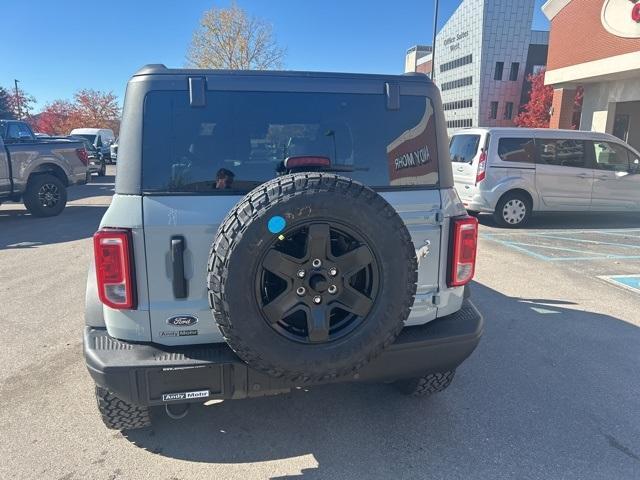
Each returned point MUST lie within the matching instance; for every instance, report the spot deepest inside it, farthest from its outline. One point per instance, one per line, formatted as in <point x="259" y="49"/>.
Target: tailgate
<point x="196" y="219"/>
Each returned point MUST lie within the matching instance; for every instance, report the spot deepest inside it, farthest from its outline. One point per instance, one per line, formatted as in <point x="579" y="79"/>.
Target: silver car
<point x="515" y="172"/>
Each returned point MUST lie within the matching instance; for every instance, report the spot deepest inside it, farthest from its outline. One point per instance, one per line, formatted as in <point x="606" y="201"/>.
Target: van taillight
<point x="114" y="268"/>
<point x="482" y="167"/>
<point x="464" y="235"/>
<point x="83" y="155"/>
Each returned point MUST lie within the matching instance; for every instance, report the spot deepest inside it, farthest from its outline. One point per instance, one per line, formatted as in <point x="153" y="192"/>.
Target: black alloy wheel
<point x="318" y="282"/>
<point x="48" y="195"/>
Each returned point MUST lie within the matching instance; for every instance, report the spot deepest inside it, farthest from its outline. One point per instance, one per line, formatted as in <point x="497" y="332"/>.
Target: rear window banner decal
<point x="412" y="157"/>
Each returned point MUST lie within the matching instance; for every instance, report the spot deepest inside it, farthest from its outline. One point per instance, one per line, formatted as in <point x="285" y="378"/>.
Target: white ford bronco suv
<point x="271" y="230"/>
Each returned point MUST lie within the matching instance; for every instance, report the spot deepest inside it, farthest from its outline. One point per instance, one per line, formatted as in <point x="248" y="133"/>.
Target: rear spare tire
<point x="311" y="276"/>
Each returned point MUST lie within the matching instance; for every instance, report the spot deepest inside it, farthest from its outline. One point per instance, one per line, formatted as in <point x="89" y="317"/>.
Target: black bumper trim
<point x="142" y="373"/>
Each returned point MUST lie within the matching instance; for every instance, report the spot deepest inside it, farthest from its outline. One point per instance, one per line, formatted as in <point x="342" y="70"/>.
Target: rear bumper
<point x="476" y="200"/>
<point x="79" y="178"/>
<point x="144" y="373"/>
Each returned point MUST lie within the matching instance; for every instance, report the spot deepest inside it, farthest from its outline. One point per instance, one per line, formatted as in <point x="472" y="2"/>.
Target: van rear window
<point x="242" y="139"/>
<point x="463" y="148"/>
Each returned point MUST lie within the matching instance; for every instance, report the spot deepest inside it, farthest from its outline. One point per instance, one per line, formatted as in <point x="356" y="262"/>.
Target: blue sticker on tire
<point x="276" y="224"/>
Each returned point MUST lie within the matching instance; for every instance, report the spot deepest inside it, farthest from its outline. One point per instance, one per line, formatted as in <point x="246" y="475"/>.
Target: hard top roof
<point x="159" y="69"/>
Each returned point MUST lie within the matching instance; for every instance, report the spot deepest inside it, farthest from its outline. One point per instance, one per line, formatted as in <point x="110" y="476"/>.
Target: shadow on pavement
<point x="551" y="395"/>
<point x="18" y="229"/>
<point x="98" y="187"/>
<point x="576" y="220"/>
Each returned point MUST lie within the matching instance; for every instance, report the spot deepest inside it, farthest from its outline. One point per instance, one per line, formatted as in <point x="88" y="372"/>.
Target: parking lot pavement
<point x="605" y="246"/>
<point x="552" y="391"/>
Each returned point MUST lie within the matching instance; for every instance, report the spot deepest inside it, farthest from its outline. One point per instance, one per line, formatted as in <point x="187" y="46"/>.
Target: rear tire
<point x="304" y="331"/>
<point x="120" y="415"/>
<point x="513" y="210"/>
<point x="427" y="385"/>
<point x="45" y="196"/>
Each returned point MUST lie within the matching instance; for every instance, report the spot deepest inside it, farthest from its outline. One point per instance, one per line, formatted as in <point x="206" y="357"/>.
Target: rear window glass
<point x="521" y="150"/>
<point x="463" y="148"/>
<point x="91" y="138"/>
<point x="241" y="139"/>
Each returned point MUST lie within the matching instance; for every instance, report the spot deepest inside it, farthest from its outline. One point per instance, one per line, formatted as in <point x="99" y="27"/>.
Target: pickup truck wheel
<point x="311" y="276"/>
<point x="120" y="415"/>
<point x="427" y="385"/>
<point x="45" y="195"/>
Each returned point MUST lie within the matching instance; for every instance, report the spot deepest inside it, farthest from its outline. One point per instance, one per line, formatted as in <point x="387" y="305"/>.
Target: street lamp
<point x="433" y="45"/>
<point x="15" y="82"/>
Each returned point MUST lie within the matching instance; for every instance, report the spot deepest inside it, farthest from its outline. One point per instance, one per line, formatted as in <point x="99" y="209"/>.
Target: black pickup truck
<point x="37" y="171"/>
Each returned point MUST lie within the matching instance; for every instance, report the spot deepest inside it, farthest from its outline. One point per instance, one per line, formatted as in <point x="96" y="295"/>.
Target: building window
<point x="499" y="69"/>
<point x="493" y="113"/>
<point x="458" y="62"/>
<point x="468" y="103"/>
<point x="515" y="70"/>
<point x="461" y="82"/>
<point x="508" y="110"/>
<point x="461" y="123"/>
<point x="537" y="69"/>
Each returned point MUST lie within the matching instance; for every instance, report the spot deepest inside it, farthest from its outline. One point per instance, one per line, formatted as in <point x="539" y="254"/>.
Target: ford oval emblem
<point x="182" y="320"/>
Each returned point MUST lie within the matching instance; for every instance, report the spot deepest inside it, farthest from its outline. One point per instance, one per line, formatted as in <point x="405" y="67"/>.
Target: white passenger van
<point x="101" y="138"/>
<point x="514" y="172"/>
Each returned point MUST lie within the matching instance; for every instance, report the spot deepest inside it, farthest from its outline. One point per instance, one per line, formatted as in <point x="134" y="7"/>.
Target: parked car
<point x="101" y="138"/>
<point x="97" y="163"/>
<point x="347" y="261"/>
<point x="114" y="151"/>
<point x="516" y="172"/>
<point x="38" y="170"/>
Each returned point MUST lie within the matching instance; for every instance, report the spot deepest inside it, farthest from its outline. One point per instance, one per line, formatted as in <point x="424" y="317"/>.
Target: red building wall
<point x="578" y="36"/>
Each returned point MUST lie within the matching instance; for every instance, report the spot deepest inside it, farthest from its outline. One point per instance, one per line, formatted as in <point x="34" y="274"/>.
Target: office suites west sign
<point x="622" y="17"/>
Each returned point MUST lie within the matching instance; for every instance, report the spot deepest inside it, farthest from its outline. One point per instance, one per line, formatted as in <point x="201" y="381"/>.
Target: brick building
<point x="596" y="44"/>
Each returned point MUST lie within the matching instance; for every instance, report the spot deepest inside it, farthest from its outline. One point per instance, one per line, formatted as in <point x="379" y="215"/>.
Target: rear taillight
<point x="114" y="268"/>
<point x="83" y="155"/>
<point x="464" y="241"/>
<point x="482" y="167"/>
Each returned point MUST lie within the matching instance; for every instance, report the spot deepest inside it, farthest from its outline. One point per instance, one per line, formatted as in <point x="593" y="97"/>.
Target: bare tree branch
<point x="229" y="38"/>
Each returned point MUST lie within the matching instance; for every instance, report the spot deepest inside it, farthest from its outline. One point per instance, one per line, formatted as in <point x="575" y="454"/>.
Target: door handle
<point x="603" y="177"/>
<point x="584" y="175"/>
<point x="179" y="283"/>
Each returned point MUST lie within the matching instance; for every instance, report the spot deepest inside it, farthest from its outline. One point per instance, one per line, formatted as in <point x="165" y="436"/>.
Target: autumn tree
<point x="21" y="103"/>
<point x="229" y="38"/>
<point x="5" y="105"/>
<point x="97" y="109"/>
<point x="57" y="118"/>
<point x="90" y="108"/>
<point x="536" y="113"/>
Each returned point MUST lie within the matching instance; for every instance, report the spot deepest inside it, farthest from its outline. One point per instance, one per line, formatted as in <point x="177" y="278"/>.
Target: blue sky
<point x="57" y="47"/>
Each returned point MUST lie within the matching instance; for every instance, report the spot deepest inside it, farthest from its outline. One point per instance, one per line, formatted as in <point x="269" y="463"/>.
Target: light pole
<point x="433" y="45"/>
<point x="15" y="82"/>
